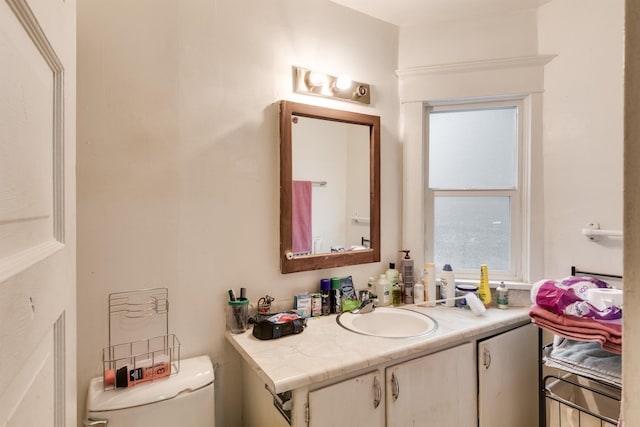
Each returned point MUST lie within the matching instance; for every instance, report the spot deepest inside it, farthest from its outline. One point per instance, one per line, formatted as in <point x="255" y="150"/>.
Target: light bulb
<point x="343" y="82"/>
<point x="316" y="79"/>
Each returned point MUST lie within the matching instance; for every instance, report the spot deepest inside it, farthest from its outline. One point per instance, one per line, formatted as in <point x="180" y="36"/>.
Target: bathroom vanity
<point x="472" y="370"/>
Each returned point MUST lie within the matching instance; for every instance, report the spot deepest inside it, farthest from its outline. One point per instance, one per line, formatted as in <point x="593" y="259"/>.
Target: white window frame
<point x="519" y="195"/>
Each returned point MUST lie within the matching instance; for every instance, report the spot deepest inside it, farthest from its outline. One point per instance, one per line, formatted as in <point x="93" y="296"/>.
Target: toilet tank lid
<point x="194" y="374"/>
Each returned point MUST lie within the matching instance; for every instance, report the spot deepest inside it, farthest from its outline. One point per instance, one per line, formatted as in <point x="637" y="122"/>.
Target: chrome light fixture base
<point x="311" y="82"/>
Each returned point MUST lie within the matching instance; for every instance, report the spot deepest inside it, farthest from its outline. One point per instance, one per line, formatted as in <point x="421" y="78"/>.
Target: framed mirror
<point x="329" y="187"/>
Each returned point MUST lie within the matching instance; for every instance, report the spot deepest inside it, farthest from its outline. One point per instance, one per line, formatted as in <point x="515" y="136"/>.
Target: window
<point x="474" y="192"/>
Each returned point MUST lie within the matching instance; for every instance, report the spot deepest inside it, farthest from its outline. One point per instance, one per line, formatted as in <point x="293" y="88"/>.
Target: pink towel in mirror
<point x="301" y="221"/>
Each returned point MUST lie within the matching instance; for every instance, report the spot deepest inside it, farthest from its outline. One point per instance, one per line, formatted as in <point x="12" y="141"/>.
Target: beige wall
<point x="583" y="145"/>
<point x="178" y="157"/>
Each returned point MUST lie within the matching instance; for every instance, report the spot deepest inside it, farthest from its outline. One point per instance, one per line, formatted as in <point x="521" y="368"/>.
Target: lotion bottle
<point x="383" y="291"/>
<point x="502" y="299"/>
<point x="418" y="293"/>
<point x="392" y="274"/>
<point x="448" y="285"/>
<point x="429" y="280"/>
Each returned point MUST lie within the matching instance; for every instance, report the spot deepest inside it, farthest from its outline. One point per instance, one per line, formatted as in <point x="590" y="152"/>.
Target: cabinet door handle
<point x="487" y="358"/>
<point x="395" y="390"/>
<point x="94" y="422"/>
<point x="378" y="392"/>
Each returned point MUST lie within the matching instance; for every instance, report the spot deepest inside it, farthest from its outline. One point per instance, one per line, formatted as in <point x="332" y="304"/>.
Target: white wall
<point x="178" y="181"/>
<point x="481" y="38"/>
<point x="583" y="138"/>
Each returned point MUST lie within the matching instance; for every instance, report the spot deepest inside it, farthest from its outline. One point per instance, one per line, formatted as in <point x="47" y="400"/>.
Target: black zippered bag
<point x="267" y="330"/>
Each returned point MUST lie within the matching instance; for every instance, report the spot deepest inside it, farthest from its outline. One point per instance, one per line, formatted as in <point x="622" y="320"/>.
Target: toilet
<point x="184" y="399"/>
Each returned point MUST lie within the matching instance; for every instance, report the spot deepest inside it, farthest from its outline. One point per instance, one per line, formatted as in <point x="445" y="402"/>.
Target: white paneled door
<point x="37" y="213"/>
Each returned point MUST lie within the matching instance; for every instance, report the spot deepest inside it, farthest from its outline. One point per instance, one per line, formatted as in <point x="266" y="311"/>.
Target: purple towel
<point x="301" y="210"/>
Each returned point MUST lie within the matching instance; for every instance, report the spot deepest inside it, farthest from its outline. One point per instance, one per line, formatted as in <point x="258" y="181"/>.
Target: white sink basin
<point x="387" y="322"/>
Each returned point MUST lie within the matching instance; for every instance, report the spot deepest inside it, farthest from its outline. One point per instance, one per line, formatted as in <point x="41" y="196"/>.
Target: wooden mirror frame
<point x="289" y="263"/>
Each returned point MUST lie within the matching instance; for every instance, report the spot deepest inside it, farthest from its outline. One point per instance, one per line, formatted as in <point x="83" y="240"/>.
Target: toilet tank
<point x="185" y="399"/>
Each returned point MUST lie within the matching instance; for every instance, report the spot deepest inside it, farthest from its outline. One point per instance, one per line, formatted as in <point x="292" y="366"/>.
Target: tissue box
<point x="302" y="305"/>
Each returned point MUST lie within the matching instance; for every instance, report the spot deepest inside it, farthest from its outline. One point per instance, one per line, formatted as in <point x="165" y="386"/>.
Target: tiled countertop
<point x="325" y="350"/>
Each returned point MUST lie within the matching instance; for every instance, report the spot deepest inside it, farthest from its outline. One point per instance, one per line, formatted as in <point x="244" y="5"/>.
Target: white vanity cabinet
<point x="357" y="402"/>
<point x="327" y="377"/>
<point x="434" y="390"/>
<point x="508" y="379"/>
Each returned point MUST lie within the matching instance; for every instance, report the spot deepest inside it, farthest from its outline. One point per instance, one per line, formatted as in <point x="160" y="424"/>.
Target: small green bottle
<point x="397" y="292"/>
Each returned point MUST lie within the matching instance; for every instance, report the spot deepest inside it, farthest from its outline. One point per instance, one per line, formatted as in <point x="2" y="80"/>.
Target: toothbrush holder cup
<point x="238" y="315"/>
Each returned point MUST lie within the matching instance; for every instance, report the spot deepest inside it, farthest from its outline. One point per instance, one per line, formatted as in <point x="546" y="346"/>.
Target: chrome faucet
<point x="367" y="306"/>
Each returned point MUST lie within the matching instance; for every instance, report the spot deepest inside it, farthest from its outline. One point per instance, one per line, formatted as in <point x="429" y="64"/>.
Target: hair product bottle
<point x="448" y="285"/>
<point x="484" y="292"/>
<point x="335" y="297"/>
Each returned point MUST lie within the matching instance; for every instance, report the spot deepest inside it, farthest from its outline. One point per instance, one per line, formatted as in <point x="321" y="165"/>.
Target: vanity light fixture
<point x="311" y="82"/>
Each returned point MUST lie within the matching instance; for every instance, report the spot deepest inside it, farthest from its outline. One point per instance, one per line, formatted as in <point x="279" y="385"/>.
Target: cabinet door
<point x="434" y="391"/>
<point x="358" y="402"/>
<point x="508" y="379"/>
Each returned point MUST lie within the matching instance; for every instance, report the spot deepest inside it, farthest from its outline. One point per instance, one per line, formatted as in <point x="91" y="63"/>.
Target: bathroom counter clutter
<point x="326" y="351"/>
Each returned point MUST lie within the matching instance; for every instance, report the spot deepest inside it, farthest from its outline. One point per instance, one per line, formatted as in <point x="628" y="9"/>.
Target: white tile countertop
<point x="326" y="351"/>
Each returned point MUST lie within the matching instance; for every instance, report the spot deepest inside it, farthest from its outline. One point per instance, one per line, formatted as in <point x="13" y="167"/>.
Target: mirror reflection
<point x="329" y="187"/>
<point x="330" y="194"/>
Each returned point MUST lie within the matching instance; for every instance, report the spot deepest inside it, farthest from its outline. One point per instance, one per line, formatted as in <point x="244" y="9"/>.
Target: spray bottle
<point x="406" y="269"/>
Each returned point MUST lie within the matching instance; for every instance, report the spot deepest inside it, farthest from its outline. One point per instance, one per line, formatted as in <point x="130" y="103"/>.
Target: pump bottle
<point x="406" y="269"/>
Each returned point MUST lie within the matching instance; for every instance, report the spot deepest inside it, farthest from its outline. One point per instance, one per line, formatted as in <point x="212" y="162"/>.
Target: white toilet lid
<point x="194" y="374"/>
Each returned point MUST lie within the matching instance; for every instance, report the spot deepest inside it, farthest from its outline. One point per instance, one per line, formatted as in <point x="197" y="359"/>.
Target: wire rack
<point x="140" y="346"/>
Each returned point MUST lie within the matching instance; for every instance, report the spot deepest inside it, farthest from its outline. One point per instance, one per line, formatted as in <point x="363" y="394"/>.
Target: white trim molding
<point x="473" y="79"/>
<point x="470" y="66"/>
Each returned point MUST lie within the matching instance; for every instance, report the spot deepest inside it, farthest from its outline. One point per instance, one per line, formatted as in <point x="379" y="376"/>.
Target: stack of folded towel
<point x="561" y="307"/>
<point x="587" y="359"/>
